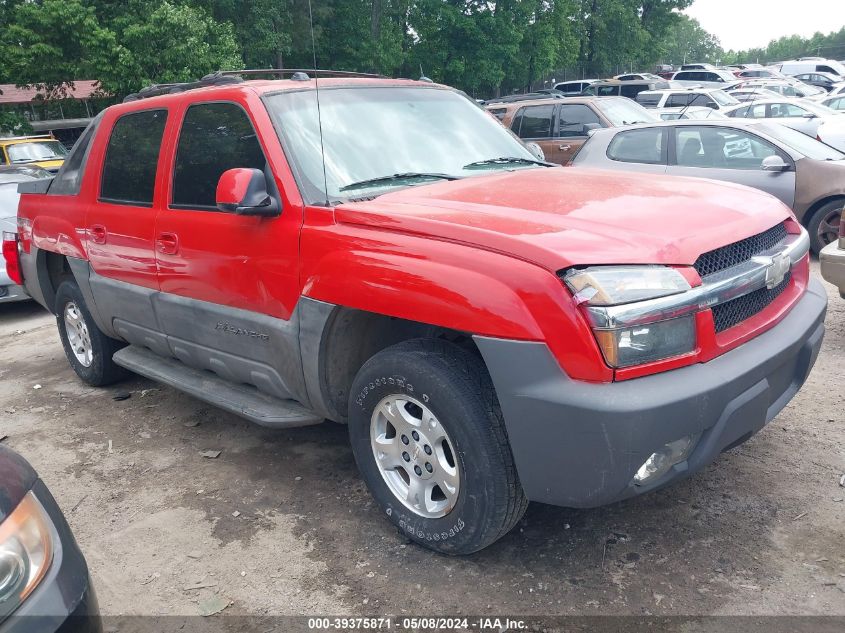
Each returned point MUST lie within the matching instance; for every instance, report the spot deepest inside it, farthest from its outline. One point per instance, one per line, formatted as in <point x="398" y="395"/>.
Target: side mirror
<point x="591" y="127"/>
<point x="536" y="150"/>
<point x="808" y="115"/>
<point x="244" y="192"/>
<point x="774" y="163"/>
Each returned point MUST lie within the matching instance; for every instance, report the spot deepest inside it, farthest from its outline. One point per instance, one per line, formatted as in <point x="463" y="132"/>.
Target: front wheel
<point x="428" y="437"/>
<point x="88" y="350"/>
<point x="823" y="226"/>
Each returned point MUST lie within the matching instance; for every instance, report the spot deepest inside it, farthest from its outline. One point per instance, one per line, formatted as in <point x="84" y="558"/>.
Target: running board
<point x="242" y="400"/>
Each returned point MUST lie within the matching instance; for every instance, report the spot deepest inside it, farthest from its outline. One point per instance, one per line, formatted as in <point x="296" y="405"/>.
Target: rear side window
<point x="69" y="179"/>
<point x="647" y="146"/>
<point x="129" y="169"/>
<point x="535" y="122"/>
<point x="215" y="137"/>
<point x="499" y="113"/>
<point x="648" y="100"/>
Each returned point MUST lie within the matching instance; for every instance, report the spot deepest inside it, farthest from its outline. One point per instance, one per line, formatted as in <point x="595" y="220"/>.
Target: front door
<point x="229" y="283"/>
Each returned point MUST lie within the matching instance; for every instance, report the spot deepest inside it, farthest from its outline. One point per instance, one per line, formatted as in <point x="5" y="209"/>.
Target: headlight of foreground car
<point x="607" y="286"/>
<point x="25" y="552"/>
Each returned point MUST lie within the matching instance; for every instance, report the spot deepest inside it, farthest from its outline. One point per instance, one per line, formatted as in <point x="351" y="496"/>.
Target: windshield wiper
<point x="411" y="175"/>
<point x="508" y="160"/>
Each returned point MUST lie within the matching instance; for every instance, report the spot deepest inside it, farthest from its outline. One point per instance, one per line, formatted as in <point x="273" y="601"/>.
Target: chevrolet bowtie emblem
<point x="777" y="267"/>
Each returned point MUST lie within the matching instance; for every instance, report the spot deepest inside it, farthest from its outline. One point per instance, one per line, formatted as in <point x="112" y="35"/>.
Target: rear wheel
<point x="429" y="439"/>
<point x="88" y="350"/>
<point x="823" y="226"/>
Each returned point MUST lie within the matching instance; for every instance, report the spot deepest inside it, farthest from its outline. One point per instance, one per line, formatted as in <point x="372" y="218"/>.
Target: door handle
<point x="167" y="243"/>
<point x="98" y="234"/>
<point x="565" y="148"/>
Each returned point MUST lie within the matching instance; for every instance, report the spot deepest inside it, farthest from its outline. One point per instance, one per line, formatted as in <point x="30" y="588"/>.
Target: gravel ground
<point x="280" y="523"/>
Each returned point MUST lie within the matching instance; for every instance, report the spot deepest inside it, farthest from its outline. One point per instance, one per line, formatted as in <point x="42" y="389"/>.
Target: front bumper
<point x="832" y="260"/>
<point x="579" y="444"/>
<point x="64" y="601"/>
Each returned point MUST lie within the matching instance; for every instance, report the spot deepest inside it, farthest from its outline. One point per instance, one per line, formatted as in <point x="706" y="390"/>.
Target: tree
<point x="687" y="41"/>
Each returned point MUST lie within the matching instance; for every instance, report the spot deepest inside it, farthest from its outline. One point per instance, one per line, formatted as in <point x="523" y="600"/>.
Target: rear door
<point x="732" y="155"/>
<point x="642" y="150"/>
<point x="120" y="223"/>
<point x="534" y="124"/>
<point x="229" y="283"/>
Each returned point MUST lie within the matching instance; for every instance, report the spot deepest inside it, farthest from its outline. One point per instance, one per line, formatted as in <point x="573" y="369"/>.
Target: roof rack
<point x="308" y="72"/>
<point x="528" y="96"/>
<point x="228" y="77"/>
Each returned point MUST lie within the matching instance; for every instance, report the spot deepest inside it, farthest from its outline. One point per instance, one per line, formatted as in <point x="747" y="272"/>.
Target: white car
<point x="752" y="94"/>
<point x="836" y="102"/>
<point x="574" y="87"/>
<point x="791" y="88"/>
<point x="678" y="98"/>
<point x="707" y="78"/>
<point x="832" y="132"/>
<point x="804" y="116"/>
<point x="688" y="112"/>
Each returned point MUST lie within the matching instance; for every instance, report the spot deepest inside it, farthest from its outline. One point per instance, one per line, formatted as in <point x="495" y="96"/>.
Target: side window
<point x="215" y="137"/>
<point x="825" y="69"/>
<point x="837" y="104"/>
<point x="704" y="101"/>
<point x="720" y="148"/>
<point x="608" y="91"/>
<point x="677" y="100"/>
<point x="782" y="110"/>
<point x="2" y="156"/>
<point x="499" y="113"/>
<point x="69" y="179"/>
<point x="129" y="169"/>
<point x="536" y="122"/>
<point x="646" y="145"/>
<point x="573" y="120"/>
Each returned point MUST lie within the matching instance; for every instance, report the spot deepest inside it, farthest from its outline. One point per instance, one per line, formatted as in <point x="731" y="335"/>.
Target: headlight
<point x="602" y="287"/>
<point x="614" y="285"/>
<point x="25" y="552"/>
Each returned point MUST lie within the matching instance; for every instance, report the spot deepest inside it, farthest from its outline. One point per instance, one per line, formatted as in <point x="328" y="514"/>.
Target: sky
<point x="743" y="24"/>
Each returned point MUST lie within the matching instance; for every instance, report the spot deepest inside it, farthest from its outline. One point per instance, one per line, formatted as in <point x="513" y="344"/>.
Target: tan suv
<point x="561" y="126"/>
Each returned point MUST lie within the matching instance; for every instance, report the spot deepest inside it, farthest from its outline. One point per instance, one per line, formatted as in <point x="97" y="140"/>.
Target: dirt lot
<point x="280" y="523"/>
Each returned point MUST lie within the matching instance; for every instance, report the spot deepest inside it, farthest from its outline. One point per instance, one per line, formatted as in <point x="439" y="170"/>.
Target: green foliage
<point x="687" y="41"/>
<point x="13" y="124"/>
<point x="831" y="46"/>
<point x="482" y="46"/>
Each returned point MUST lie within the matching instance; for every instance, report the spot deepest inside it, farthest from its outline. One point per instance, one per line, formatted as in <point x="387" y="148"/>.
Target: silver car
<point x="10" y="176"/>
<point x="805" y="174"/>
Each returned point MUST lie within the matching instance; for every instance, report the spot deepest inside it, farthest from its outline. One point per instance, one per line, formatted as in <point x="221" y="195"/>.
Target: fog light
<point x="659" y="463"/>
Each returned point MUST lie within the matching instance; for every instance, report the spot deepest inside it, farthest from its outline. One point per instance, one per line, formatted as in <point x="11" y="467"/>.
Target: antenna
<point x="319" y="112"/>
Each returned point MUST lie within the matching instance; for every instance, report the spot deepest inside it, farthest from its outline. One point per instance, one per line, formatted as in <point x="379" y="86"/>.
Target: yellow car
<point x="38" y="151"/>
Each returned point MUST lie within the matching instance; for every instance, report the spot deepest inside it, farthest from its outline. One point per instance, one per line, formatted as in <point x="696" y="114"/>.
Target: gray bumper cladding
<point x="579" y="444"/>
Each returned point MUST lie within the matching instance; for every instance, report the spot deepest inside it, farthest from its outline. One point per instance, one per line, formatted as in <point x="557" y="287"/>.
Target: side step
<point x="241" y="400"/>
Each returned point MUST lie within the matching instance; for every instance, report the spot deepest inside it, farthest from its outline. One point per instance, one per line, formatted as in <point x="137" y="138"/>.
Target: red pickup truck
<point x="382" y="253"/>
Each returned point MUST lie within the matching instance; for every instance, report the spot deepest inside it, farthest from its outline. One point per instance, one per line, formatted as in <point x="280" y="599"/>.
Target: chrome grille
<point x="733" y="312"/>
<point x="738" y="252"/>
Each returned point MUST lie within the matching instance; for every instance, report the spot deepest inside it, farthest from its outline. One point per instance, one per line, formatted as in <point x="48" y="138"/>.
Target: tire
<point x="472" y="461"/>
<point x="88" y="350"/>
<point x="823" y="226"/>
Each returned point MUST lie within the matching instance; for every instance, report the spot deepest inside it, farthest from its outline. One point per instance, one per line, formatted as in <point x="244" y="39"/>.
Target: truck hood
<point x="567" y="216"/>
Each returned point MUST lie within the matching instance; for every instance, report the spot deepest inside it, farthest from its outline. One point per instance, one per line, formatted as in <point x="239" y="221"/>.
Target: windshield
<point x="35" y="151"/>
<point x="374" y="132"/>
<point x="801" y="143"/>
<point x="624" y="112"/>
